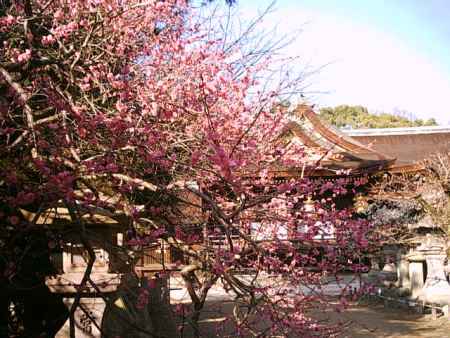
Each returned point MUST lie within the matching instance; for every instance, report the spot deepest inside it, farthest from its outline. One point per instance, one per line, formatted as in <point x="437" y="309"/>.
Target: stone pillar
<point x="67" y="259"/>
<point x="374" y="264"/>
<point x="389" y="272"/>
<point x="375" y="270"/>
<point x="416" y="275"/>
<point x="403" y="281"/>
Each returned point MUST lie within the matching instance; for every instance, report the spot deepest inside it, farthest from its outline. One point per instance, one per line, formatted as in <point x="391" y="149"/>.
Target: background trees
<point x="359" y="117"/>
<point x="120" y="108"/>
<point x="413" y="201"/>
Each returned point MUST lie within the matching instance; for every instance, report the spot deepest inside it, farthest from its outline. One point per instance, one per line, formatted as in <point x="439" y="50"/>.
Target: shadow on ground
<point x="360" y="321"/>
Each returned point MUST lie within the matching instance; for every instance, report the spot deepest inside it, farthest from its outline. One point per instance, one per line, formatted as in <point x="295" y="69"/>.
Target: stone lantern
<point x="309" y="206"/>
<point x="360" y="204"/>
<point x="436" y="288"/>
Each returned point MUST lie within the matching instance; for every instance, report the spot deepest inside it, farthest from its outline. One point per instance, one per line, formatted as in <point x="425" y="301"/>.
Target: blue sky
<point x="387" y="55"/>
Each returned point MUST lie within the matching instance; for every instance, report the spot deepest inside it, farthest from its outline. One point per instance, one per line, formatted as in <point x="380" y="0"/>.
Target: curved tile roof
<point x="408" y="145"/>
<point x="344" y="155"/>
<point x="362" y="151"/>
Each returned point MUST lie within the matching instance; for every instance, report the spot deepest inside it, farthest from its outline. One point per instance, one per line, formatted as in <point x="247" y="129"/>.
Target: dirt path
<point x="378" y="321"/>
<point x="369" y="320"/>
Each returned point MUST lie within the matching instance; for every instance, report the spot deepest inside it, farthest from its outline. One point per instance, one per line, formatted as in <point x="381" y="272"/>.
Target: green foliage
<point x="359" y="117"/>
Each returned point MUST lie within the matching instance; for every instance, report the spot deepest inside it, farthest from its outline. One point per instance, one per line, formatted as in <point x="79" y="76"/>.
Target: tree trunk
<point x="123" y="317"/>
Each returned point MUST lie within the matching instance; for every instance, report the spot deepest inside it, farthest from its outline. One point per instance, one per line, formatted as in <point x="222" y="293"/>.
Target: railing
<point x="160" y="256"/>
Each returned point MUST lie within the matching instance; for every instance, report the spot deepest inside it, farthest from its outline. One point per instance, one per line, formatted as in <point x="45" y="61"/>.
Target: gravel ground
<point x="374" y="321"/>
<point x="368" y="320"/>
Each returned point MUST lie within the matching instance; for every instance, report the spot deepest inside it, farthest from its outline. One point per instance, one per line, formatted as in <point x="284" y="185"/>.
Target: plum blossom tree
<point x="133" y="100"/>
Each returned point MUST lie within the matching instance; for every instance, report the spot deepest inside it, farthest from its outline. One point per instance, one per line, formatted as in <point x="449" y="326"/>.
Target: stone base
<point x="404" y="291"/>
<point x="387" y="276"/>
<point x="84" y="327"/>
<point x="65" y="284"/>
<point x="438" y="294"/>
